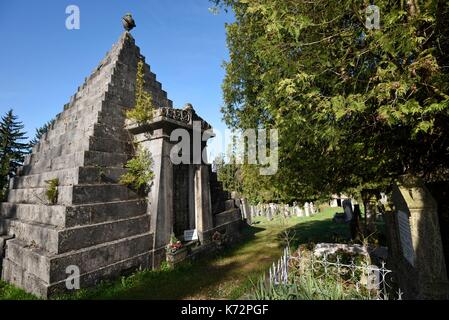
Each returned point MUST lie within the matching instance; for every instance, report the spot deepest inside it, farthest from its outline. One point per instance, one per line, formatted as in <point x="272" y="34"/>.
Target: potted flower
<point x="175" y="250"/>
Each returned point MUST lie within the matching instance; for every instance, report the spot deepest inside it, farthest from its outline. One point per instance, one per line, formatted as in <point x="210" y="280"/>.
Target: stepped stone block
<point x="97" y="224"/>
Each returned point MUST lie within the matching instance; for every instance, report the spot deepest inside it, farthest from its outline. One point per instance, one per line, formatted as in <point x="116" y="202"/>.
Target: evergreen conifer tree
<point x="12" y="149"/>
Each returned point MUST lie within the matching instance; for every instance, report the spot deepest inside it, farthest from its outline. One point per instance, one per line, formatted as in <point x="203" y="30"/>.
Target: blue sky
<point x="42" y="63"/>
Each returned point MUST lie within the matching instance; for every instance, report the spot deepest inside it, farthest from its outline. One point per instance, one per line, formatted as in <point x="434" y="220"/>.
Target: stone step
<point x="99" y="175"/>
<point x="73" y="216"/>
<point x="20" y="277"/>
<point x="50" y="215"/>
<point x="66" y="177"/>
<point x="104" y="212"/>
<point x="98" y="193"/>
<point x="78" y="159"/>
<point x="56" y="240"/>
<point x="108" y="131"/>
<point x="108" y="144"/>
<point x="81" y="122"/>
<point x="78" y="194"/>
<point x="62" y="138"/>
<point x="38" y="195"/>
<point x="47" y="154"/>
<point x="78" y="144"/>
<point x="69" y="177"/>
<point x="105" y="159"/>
<point x="66" y="161"/>
<point x="51" y="268"/>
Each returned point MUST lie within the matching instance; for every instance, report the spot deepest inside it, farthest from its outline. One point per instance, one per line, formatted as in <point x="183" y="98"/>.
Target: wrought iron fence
<point x="375" y="281"/>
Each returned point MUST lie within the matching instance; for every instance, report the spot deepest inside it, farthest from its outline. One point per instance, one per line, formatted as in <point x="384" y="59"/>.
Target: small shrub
<point x="52" y="191"/>
<point x="139" y="172"/>
<point x="143" y="109"/>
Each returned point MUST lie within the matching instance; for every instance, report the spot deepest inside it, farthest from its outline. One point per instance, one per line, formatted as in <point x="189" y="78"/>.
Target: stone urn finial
<point x="128" y="22"/>
<point x="188" y="107"/>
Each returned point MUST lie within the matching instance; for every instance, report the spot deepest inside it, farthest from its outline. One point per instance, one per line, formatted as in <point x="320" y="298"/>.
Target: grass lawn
<point x="224" y="276"/>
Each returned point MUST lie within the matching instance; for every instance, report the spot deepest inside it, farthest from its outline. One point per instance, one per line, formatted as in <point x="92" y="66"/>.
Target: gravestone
<point x="246" y="210"/>
<point x="270" y="212"/>
<point x="307" y="209"/>
<point x="415" y="246"/>
<point x="405" y="237"/>
<point x="312" y="209"/>
<point x="347" y="207"/>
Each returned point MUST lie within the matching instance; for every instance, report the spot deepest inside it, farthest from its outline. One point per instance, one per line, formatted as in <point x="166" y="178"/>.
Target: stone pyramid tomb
<point x="99" y="226"/>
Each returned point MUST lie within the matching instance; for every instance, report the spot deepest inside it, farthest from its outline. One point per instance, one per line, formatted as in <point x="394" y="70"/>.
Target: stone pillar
<point x="160" y="198"/>
<point x="203" y="206"/>
<point x="419" y="262"/>
<point x="191" y="191"/>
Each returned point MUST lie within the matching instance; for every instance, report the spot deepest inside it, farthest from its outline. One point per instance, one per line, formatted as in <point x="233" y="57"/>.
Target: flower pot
<point x="176" y="257"/>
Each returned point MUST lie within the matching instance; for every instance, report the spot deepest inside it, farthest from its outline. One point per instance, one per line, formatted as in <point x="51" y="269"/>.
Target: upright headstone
<point x="286" y="211"/>
<point x="312" y="209"/>
<point x="307" y="209"/>
<point x="270" y="213"/>
<point x="347" y="207"/>
<point x="415" y="244"/>
<point x="246" y="209"/>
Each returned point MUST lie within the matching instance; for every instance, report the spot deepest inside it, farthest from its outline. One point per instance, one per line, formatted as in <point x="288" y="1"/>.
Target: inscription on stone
<point x="405" y="234"/>
<point x="190" y="235"/>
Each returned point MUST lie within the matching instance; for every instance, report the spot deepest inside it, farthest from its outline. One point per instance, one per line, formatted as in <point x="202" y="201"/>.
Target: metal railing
<point x="375" y="281"/>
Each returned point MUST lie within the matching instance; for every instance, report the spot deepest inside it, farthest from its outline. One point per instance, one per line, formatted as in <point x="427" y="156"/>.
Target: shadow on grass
<point x="187" y="280"/>
<point x="316" y="231"/>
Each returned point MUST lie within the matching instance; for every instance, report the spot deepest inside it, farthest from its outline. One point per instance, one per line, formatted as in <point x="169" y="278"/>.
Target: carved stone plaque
<point x="405" y="235"/>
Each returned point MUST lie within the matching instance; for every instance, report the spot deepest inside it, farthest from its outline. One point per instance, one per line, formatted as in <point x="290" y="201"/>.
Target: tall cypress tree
<point x="12" y="149"/>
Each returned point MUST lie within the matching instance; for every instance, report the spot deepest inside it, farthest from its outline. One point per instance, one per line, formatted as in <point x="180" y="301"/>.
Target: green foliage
<point x="12" y="150"/>
<point x="143" y="109"/>
<point x="355" y="108"/>
<point x="52" y="191"/>
<point x="9" y="292"/>
<point x="139" y="173"/>
<point x="308" y="287"/>
<point x="173" y="239"/>
<point x="40" y="132"/>
<point x="228" y="174"/>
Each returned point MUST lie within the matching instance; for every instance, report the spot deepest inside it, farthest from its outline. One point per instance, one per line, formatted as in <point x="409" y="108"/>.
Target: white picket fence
<point x="278" y="273"/>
